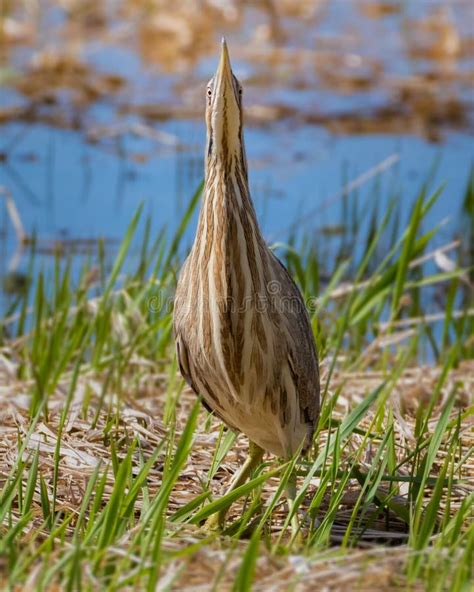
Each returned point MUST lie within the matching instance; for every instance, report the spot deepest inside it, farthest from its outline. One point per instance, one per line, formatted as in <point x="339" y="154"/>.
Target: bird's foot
<point x="296" y="532"/>
<point x="215" y="523"/>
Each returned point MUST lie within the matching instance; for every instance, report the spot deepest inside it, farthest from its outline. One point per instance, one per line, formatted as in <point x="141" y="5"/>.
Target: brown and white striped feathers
<point x="244" y="341"/>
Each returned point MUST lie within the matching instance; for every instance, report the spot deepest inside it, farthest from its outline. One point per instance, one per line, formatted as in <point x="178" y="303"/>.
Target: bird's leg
<point x="291" y="496"/>
<point x="216" y="521"/>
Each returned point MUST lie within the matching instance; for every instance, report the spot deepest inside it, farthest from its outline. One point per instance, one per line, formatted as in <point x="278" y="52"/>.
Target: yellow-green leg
<point x="291" y="495"/>
<point x="216" y="521"/>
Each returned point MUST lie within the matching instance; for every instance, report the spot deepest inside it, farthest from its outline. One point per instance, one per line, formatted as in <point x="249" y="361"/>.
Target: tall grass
<point x="109" y="465"/>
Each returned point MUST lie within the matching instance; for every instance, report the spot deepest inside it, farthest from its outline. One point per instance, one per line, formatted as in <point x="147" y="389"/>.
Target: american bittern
<point x="244" y="340"/>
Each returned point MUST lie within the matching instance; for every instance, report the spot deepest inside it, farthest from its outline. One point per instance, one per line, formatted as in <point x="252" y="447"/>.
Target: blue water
<point x="71" y="189"/>
<point x="64" y="186"/>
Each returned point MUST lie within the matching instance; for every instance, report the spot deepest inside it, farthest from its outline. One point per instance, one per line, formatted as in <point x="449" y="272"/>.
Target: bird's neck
<point x="227" y="226"/>
<point x="228" y="241"/>
<point x="227" y="205"/>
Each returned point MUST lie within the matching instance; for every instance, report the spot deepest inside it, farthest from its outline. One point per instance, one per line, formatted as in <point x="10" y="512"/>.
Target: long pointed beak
<point x="224" y="70"/>
<point x="224" y="111"/>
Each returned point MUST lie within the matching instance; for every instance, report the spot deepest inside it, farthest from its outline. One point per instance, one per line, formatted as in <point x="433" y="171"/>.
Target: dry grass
<point x="376" y="563"/>
<point x="422" y="77"/>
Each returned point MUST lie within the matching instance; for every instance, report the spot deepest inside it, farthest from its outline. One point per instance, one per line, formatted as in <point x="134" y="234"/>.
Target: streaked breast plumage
<point x="244" y="341"/>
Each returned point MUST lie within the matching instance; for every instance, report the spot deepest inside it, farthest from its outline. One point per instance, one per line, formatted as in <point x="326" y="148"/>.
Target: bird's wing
<point x="302" y="355"/>
<point x="183" y="362"/>
<point x="305" y="374"/>
<point x="182" y="352"/>
<point x="185" y="367"/>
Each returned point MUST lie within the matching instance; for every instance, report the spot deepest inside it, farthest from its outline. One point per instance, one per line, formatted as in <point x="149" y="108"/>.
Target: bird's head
<point x="224" y="114"/>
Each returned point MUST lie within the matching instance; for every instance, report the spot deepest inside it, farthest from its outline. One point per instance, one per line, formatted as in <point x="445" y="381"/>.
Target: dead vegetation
<point x="375" y="564"/>
<point x="94" y="432"/>
<point x="422" y="80"/>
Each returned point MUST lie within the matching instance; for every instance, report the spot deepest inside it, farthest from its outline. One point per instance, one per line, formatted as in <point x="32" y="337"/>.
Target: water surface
<point x="102" y="109"/>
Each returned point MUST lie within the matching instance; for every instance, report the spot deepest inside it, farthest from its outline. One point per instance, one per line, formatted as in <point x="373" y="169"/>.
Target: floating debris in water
<point x="15" y="282"/>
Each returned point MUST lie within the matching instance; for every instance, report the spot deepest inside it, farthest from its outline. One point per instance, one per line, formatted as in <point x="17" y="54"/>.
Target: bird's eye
<point x="209" y="92"/>
<point x="240" y="91"/>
